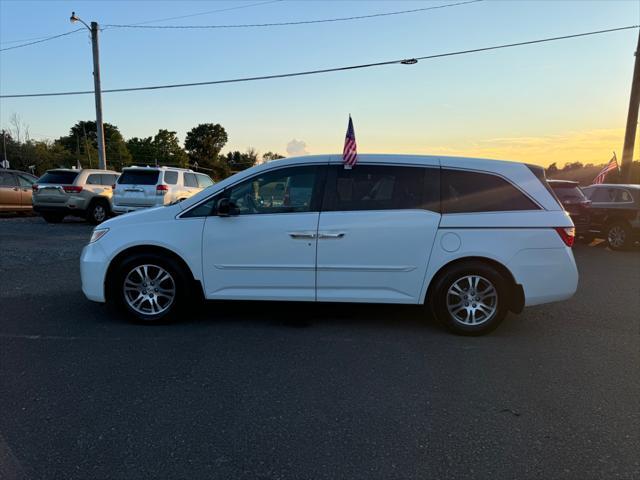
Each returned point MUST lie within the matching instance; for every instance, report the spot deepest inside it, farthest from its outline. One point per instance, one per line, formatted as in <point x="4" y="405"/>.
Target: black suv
<point x="615" y="213"/>
<point x="575" y="203"/>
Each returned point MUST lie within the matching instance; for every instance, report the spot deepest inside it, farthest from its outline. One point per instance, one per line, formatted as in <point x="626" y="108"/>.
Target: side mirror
<point x="226" y="208"/>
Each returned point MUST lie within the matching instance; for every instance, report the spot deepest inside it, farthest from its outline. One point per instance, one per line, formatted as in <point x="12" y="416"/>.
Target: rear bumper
<point x="546" y="274"/>
<point x="93" y="269"/>
<point x="65" y="209"/>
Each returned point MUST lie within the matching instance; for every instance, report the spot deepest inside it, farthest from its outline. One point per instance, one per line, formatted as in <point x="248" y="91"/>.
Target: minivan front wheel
<point x="150" y="288"/>
<point x="470" y="299"/>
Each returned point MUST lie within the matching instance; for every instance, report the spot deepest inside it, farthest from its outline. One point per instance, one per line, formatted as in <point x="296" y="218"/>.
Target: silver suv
<point x="145" y="187"/>
<point x="82" y="193"/>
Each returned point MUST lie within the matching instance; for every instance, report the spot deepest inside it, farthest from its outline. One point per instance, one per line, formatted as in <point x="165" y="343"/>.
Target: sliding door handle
<point x="330" y="235"/>
<point x="302" y="235"/>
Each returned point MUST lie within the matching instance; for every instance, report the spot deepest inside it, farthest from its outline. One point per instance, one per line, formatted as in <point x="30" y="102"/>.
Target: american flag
<point x="612" y="165"/>
<point x="350" y="150"/>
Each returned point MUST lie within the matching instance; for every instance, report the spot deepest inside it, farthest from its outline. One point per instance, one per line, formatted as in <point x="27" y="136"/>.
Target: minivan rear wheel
<point x="470" y="298"/>
<point x="150" y="288"/>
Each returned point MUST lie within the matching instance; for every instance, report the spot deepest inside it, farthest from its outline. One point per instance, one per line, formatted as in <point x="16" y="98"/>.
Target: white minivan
<point x="470" y="239"/>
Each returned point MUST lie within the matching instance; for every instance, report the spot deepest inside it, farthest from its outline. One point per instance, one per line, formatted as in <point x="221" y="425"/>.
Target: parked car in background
<point x="470" y="239"/>
<point x="15" y="190"/>
<point x="615" y="213"/>
<point x="574" y="201"/>
<point x="144" y="187"/>
<point x="82" y="193"/>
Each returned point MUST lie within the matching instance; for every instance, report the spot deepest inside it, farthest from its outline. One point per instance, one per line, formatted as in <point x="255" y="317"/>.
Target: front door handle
<point x="330" y="235"/>
<point x="302" y="235"/>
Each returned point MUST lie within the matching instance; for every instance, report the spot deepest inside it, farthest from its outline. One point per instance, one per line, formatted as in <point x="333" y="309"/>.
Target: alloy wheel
<point x="99" y="213"/>
<point x="149" y="289"/>
<point x="616" y="236"/>
<point x="472" y="300"/>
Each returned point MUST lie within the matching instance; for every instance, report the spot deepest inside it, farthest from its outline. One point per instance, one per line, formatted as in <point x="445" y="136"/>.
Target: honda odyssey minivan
<point x="470" y="239"/>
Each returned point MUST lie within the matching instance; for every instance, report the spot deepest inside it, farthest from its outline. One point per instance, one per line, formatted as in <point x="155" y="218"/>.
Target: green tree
<point x="269" y="156"/>
<point x="118" y="155"/>
<point x="142" y="150"/>
<point x="168" y="149"/>
<point x="203" y="143"/>
<point x="238" y="161"/>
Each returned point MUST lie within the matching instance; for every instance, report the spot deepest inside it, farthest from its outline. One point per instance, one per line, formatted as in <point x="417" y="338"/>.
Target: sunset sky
<point x="555" y="102"/>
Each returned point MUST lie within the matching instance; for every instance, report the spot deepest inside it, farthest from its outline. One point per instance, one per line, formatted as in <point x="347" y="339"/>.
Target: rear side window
<point x="109" y="179"/>
<point x="190" y="180"/>
<point x="380" y="187"/>
<point x="466" y="192"/>
<point x="603" y="195"/>
<point x="7" y="179"/>
<point x="60" y="177"/>
<point x="170" y="177"/>
<point x="203" y="180"/>
<point x="94" y="179"/>
<point x="138" y="177"/>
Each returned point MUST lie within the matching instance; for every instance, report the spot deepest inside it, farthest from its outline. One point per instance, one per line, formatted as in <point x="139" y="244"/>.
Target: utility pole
<point x="632" y="119"/>
<point x="94" y="29"/>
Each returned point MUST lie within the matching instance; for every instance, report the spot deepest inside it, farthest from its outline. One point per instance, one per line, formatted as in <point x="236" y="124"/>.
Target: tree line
<point x="201" y="150"/>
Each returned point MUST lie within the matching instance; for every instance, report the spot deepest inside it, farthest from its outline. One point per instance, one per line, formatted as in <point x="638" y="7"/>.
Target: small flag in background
<point x="350" y="150"/>
<point x="612" y="165"/>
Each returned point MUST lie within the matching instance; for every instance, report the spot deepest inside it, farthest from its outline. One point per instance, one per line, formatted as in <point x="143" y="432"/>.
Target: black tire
<point x="179" y="280"/>
<point x="441" y="299"/>
<point x="53" y="217"/>
<point x="98" y="212"/>
<point x="619" y="236"/>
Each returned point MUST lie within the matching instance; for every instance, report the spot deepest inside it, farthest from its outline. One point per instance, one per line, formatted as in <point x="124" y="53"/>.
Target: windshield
<point x="571" y="193"/>
<point x="58" y="176"/>
<point x="138" y="177"/>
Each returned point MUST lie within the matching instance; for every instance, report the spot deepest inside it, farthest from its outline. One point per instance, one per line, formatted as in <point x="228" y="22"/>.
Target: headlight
<point x="97" y="234"/>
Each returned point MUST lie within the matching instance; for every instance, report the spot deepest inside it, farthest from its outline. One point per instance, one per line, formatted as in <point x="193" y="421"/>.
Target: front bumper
<point x="93" y="270"/>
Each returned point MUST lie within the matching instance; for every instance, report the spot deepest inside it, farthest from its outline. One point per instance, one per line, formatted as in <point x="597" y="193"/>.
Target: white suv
<point x="470" y="239"/>
<point x="144" y="187"/>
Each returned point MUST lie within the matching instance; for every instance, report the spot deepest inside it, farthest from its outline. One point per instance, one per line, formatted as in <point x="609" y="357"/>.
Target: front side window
<point x="382" y="187"/>
<point x="623" y="196"/>
<point x="287" y="190"/>
<point x="7" y="179"/>
<point x="468" y="192"/>
<point x="203" y="180"/>
<point x="25" y="181"/>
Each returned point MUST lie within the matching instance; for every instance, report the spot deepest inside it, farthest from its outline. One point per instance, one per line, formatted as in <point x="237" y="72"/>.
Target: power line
<point x="405" y="61"/>
<point x="41" y="40"/>
<point x="300" y="22"/>
<point x="204" y="13"/>
<point x="33" y="41"/>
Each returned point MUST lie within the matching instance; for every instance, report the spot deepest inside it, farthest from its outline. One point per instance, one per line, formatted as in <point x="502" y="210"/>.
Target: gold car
<point x="15" y="191"/>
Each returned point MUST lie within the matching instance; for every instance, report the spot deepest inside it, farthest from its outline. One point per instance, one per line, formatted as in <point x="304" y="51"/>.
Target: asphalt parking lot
<point x="281" y="391"/>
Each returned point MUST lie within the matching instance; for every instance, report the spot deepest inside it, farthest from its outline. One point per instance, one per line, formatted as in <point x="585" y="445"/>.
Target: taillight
<point x="34" y="187"/>
<point x="72" y="189"/>
<point x="162" y="189"/>
<point x="567" y="234"/>
<point x="113" y="187"/>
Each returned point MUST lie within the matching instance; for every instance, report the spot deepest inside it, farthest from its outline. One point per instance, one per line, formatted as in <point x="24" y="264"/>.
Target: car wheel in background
<point x="470" y="298"/>
<point x="150" y="288"/>
<point x="98" y="212"/>
<point x="53" y="217"/>
<point x="618" y="236"/>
